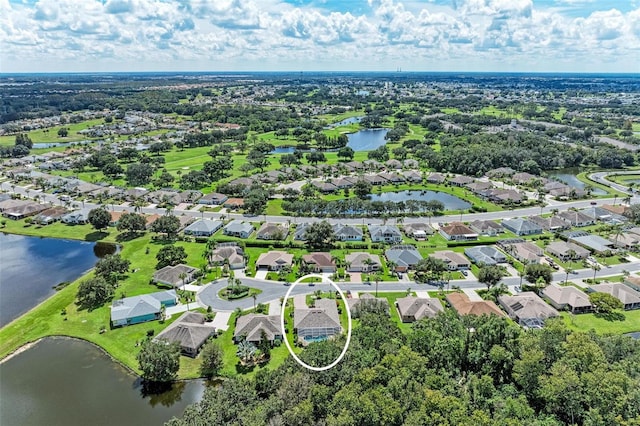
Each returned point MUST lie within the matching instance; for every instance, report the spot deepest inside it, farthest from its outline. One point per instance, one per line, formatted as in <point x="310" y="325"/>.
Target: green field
<point x="588" y="322"/>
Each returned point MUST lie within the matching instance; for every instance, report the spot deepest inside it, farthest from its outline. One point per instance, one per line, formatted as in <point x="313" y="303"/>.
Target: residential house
<point x="620" y="209"/>
<point x="527" y="308"/>
<point x="138" y="309"/>
<point x="524" y="251"/>
<point x="203" y="228"/>
<point x="413" y="309"/>
<point x="486" y="227"/>
<point x="502" y="196"/>
<point x="521" y="226"/>
<point x="461" y="303"/>
<point x="229" y="253"/>
<point x="404" y="257"/>
<point x="593" y="243"/>
<point x="417" y="231"/>
<point x="576" y="218"/>
<point x="325" y="187"/>
<point x="524" y="178"/>
<point x="567" y="298"/>
<point x="318" y="323"/>
<point x="23" y="209"/>
<point x="454" y="261"/>
<point x="274" y="260"/>
<point x="603" y="215"/>
<point x="385" y="234"/>
<point x="412" y="176"/>
<point x="393" y="178"/>
<point x="626" y="240"/>
<point x="300" y="231"/>
<point x="272" y="231"/>
<point x="485" y="255"/>
<point x="190" y="331"/>
<point x="347" y="232"/>
<point x="501" y="172"/>
<point x="362" y="262"/>
<point x="252" y="327"/>
<point x="238" y="228"/>
<point x="233" y="203"/>
<point x="629" y="297"/>
<point x="367" y="303"/>
<point x="393" y="164"/>
<point x="551" y="223"/>
<point x="567" y="251"/>
<point x="213" y="199"/>
<point x="479" y="187"/>
<point x="175" y="276"/>
<point x="458" y="231"/>
<point x="461" y="181"/>
<point x="50" y="215"/>
<point x="632" y="281"/>
<point x="435" y="178"/>
<point x="319" y="262"/>
<point x="76" y="217"/>
<point x="375" y="179"/>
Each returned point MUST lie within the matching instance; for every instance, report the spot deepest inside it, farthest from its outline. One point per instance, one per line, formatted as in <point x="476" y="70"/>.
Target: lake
<point x="451" y="202"/>
<point x="39" y="145"/>
<point x="345" y="122"/>
<point x="71" y="382"/>
<point x="367" y="140"/>
<point x="568" y="176"/>
<point x="283" y="150"/>
<point x="31" y="266"/>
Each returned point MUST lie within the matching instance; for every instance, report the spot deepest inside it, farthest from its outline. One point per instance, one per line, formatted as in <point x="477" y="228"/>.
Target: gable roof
<point x="188" y="331"/>
<point x="567" y="295"/>
<point x="403" y="255"/>
<point x="527" y="305"/>
<point x="251" y="326"/>
<point x="358" y="258"/>
<point x="620" y="291"/>
<point x="418" y="307"/>
<point x="320" y="259"/>
<point x="324" y="315"/>
<point x="203" y="225"/>
<point x="464" y="306"/>
<point x="146" y="304"/>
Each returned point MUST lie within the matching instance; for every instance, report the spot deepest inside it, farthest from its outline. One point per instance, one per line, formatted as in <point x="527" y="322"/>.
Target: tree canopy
<point x="159" y="360"/>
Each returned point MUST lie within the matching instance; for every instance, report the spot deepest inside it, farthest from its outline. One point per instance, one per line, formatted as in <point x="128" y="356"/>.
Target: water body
<point x="451" y="202"/>
<point x="31" y="266"/>
<point x="568" y="176"/>
<point x="71" y="382"/>
<point x="345" y="122"/>
<point x="55" y="144"/>
<point x="283" y="150"/>
<point x="367" y="140"/>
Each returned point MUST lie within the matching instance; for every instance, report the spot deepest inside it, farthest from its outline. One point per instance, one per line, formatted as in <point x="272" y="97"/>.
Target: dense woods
<point x="445" y="371"/>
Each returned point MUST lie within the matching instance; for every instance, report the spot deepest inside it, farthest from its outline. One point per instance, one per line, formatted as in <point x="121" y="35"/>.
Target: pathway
<point x="221" y="320"/>
<point x="473" y="296"/>
<point x="423" y="294"/>
<point x="275" y="308"/>
<point x="300" y="302"/>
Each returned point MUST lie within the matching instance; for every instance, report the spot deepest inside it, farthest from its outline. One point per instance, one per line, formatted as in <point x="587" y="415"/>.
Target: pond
<point x="40" y="145"/>
<point x="451" y="202"/>
<point x="568" y="176"/>
<point x="367" y="140"/>
<point x="345" y="122"/>
<point x="71" y="382"/>
<point x="283" y="150"/>
<point x="32" y="266"/>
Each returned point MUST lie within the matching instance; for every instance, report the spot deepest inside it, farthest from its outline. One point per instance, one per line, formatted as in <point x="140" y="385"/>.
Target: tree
<point x="94" y="292"/>
<point x="362" y="189"/>
<point x="139" y="174"/>
<point x="24" y="140"/>
<point x="212" y="359"/>
<point x="63" y="132"/>
<point x="316" y="157"/>
<point x="112" y="170"/>
<point x="167" y="224"/>
<point x="99" y="218"/>
<point x="319" y="234"/>
<point x="159" y="360"/>
<point x="246" y="352"/>
<point x="256" y="200"/>
<point x="111" y="267"/>
<point x="170" y="255"/>
<point x="535" y="271"/>
<point x="490" y="275"/>
<point x="430" y="268"/>
<point x="605" y="303"/>
<point x="346" y="152"/>
<point x="132" y="223"/>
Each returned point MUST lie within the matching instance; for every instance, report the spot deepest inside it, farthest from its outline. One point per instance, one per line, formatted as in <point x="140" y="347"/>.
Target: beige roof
<point x="567" y="295"/>
<point x="527" y="305"/>
<point x="251" y="327"/>
<point x="319" y="258"/>
<point x="463" y="306"/>
<point x="624" y="293"/>
<point x="449" y="256"/>
<point x="324" y="314"/>
<point x="419" y="307"/>
<point x="275" y="257"/>
<point x="457" y="228"/>
<point x="358" y="258"/>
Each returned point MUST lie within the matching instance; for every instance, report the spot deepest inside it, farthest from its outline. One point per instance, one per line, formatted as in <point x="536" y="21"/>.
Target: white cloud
<point x="252" y="34"/>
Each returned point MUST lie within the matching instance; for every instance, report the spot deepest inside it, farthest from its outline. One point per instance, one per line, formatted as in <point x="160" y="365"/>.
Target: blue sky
<point x="331" y="35"/>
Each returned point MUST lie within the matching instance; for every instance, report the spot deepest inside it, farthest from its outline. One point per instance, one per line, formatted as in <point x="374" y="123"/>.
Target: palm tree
<point x="183" y="277"/>
<point x="246" y="351"/>
<point x="568" y="271"/>
<point x="254" y="296"/>
<point x="595" y="268"/>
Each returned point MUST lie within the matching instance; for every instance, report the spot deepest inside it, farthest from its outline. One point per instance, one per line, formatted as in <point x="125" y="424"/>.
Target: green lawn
<point x="51" y="134"/>
<point x="395" y="317"/>
<point x="587" y="322"/>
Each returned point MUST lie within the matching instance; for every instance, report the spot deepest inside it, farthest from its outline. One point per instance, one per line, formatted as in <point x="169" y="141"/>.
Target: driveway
<point x="261" y="274"/>
<point x="221" y="320"/>
<point x="274" y="308"/>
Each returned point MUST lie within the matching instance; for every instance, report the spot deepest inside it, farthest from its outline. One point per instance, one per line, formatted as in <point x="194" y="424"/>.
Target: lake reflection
<point x="32" y="266"/>
<point x="367" y="140"/>
<point x="71" y="382"/>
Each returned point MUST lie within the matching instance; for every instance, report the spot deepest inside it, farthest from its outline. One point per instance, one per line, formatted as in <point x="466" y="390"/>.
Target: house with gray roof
<point x="461" y="180"/>
<point x="527" y="308"/>
<point x="404" y="257"/>
<point x="567" y="298"/>
<point x="603" y="215"/>
<point x="274" y="260"/>
<point x="524" y="251"/>
<point x="229" y="253"/>
<point x="318" y="323"/>
<point x="413" y="309"/>
<point x="592" y="242"/>
<point x="272" y="231"/>
<point x="576" y="218"/>
<point x="435" y="178"/>
<point x="551" y="223"/>
<point x="412" y="176"/>
<point x="172" y="275"/>
<point x="143" y="308"/>
<point x="385" y="234"/>
<point x="213" y="199"/>
<point x="301" y="229"/>
<point x="251" y="327"/>
<point x="521" y="226"/>
<point x="567" y="251"/>
<point x="190" y="331"/>
<point x="417" y="231"/>
<point x="76" y="217"/>
<point x="347" y="232"/>
<point x="486" y="255"/>
<point x="203" y="227"/>
<point x="454" y="261"/>
<point x="486" y="227"/>
<point x="238" y="228"/>
<point x="362" y="262"/>
<point x="629" y="297"/>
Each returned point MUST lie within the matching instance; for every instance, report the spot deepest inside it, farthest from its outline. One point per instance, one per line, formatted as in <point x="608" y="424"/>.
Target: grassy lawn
<point x="51" y="135"/>
<point x="395" y="317"/>
<point x="587" y="322"/>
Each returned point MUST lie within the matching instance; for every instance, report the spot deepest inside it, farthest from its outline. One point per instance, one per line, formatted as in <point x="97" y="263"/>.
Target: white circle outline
<point x="284" y="334"/>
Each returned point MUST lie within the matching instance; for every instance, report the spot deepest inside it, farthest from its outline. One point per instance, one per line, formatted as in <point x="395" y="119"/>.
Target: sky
<point x="320" y="35"/>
